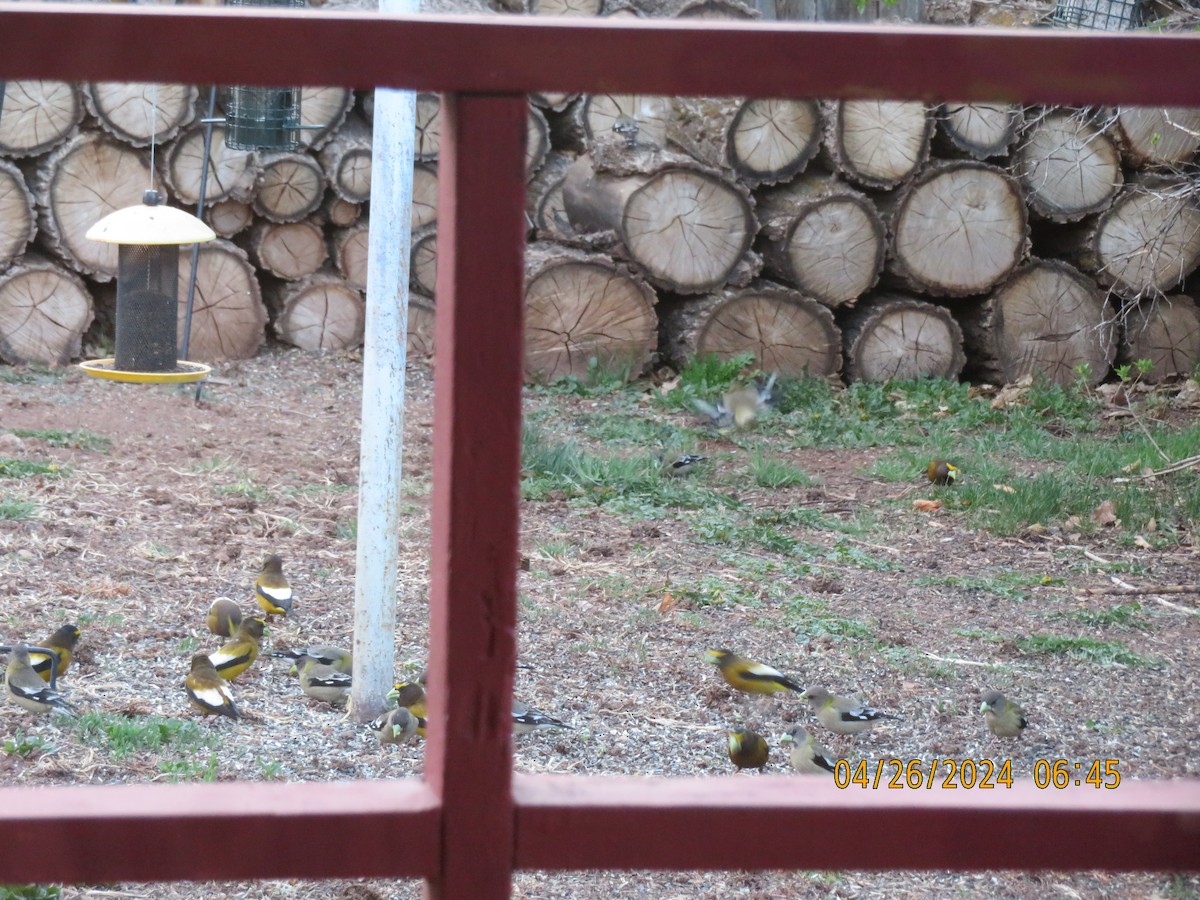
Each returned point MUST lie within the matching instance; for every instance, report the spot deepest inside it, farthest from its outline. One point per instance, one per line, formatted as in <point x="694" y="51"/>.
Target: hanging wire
<point x="191" y="297"/>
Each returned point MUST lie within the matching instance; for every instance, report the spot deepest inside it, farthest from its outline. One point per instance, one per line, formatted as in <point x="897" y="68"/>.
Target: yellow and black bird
<point x="1004" y="718"/>
<point x="749" y="676"/>
<point x="237" y="654"/>
<point x="63" y="640"/>
<point x="207" y="690"/>
<point x="409" y="695"/>
<point x="398" y="726"/>
<point x="27" y="689"/>
<point x="224" y="616"/>
<point x="806" y="755"/>
<point x="334" y="657"/>
<point x="740" y="406"/>
<point x="271" y="588"/>
<point x="747" y="749"/>
<point x="324" y="682"/>
<point x="939" y="471"/>
<point x="840" y="714"/>
<point x="679" y="464"/>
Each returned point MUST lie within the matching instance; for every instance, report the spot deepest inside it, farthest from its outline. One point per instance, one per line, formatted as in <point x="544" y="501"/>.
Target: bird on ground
<point x="398" y="726"/>
<point x="27" y="689"/>
<point x="749" y="676"/>
<point x="324" y="682"/>
<point x="63" y="640"/>
<point x="682" y="464"/>
<point x="747" y="750"/>
<point x="840" y="714"/>
<point x="806" y="755"/>
<point x="224" y="616"/>
<point x="271" y="588"/>
<point x="236" y="655"/>
<point x="741" y="405"/>
<point x="409" y="695"/>
<point x="526" y="719"/>
<point x="941" y="472"/>
<point x="1004" y="718"/>
<point x="207" y="690"/>
<point x="334" y="657"/>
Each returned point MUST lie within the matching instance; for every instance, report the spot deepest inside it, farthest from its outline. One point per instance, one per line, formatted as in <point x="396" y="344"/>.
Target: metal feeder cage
<point x="1097" y="15"/>
<point x="263" y="118"/>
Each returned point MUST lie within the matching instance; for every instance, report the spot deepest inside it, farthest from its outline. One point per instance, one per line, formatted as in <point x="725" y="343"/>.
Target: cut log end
<point x="896" y="336"/>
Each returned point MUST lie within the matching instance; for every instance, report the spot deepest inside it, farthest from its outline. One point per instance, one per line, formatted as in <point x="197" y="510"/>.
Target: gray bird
<point x="27" y="690"/>
<point x="806" y="755"/>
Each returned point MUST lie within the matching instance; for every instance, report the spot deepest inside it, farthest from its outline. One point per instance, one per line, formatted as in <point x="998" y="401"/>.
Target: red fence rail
<point x="470" y="823"/>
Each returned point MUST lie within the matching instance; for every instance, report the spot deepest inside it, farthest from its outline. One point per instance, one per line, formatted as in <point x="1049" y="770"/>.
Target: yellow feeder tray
<point x="183" y="372"/>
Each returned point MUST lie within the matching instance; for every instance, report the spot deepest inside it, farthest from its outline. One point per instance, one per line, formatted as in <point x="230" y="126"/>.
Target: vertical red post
<point x="477" y="455"/>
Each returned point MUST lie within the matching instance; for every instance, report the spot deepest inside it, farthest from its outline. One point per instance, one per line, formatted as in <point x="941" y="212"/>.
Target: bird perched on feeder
<point x="939" y="471"/>
<point x="237" y="654"/>
<point x="748" y="676"/>
<point x="224" y="616"/>
<point x="335" y="657"/>
<point x="682" y="464"/>
<point x="527" y="719"/>
<point x="741" y="405"/>
<point x="271" y="588"/>
<point x="27" y="689"/>
<point x="1004" y="718"/>
<point x="207" y="690"/>
<point x="63" y="640"/>
<point x="747" y="750"/>
<point x="806" y="755"/>
<point x="840" y="714"/>
<point x="398" y="726"/>
<point x="324" y="682"/>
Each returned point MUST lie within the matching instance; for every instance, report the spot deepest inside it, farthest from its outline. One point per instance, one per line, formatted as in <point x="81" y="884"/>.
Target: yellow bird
<point x="806" y="755"/>
<point x="399" y="726"/>
<point x="271" y="588"/>
<point x="224" y="616"/>
<point x="63" y="640"/>
<point x="207" y="690"/>
<point x="28" y="691"/>
<point x="841" y="715"/>
<point x="1004" y="718"/>
<point x="334" y="657"/>
<point x="409" y="695"/>
<point x="941" y="472"/>
<point x="747" y="750"/>
<point x="749" y="676"/>
<point x="324" y="682"/>
<point x="237" y="654"/>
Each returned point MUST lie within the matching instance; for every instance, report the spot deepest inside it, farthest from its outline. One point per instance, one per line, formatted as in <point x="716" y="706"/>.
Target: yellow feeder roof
<point x="150" y="223"/>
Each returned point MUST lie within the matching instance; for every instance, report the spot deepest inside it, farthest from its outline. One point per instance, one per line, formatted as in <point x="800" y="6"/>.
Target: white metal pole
<point x="384" y="356"/>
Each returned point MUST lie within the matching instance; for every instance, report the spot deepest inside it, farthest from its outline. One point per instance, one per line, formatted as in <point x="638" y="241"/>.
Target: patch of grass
<point x="811" y="618"/>
<point x="1009" y="585"/>
<point x="348" y="530"/>
<point x="245" y="487"/>
<point x="1123" y="615"/>
<point x="213" y="464"/>
<point x="26" y="468"/>
<point x="712" y="590"/>
<point x="770" y="472"/>
<point x="29" y="891"/>
<point x="599" y="380"/>
<point x="1103" y="652"/>
<point x="189" y="769"/>
<point x="122" y="735"/>
<point x="16" y="509"/>
<point x="846" y="553"/>
<point x="75" y="440"/>
<point x="26" y="746"/>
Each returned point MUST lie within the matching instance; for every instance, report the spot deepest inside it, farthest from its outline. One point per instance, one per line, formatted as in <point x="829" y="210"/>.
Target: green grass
<point x="30" y="891"/>
<point x="189" y="769"/>
<point x="769" y="472"/>
<point x="1009" y="585"/>
<point x="811" y="618"/>
<point x="17" y="509"/>
<point x="26" y="468"/>
<point x="1124" y="616"/>
<point x="246" y="487"/>
<point x="75" y="440"/>
<point x="1090" y="649"/>
<point x="122" y="735"/>
<point x="25" y="745"/>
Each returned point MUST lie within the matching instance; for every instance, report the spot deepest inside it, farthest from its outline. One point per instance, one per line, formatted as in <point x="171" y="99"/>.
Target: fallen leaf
<point x="1152" y="525"/>
<point x="1141" y="542"/>
<point x="668" y="602"/>
<point x="927" y="505"/>
<point x="1105" y="515"/>
<point x="1008" y="489"/>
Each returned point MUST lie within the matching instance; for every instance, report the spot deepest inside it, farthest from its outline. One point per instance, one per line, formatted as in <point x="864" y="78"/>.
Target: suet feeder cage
<point x="1097" y="15"/>
<point x="148" y="237"/>
<point x="263" y="118"/>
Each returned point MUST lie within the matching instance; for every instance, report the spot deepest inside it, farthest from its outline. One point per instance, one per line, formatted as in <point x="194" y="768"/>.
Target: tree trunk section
<point x="980" y="130"/>
<point x="600" y="112"/>
<point x="320" y="312"/>
<point x="878" y="143"/>
<point x="346" y="160"/>
<point x="786" y="331"/>
<point x="420" y="327"/>
<point x="338" y="212"/>
<point x="325" y="109"/>
<point x="228" y="316"/>
<point x="1067" y="167"/>
<point x="44" y="311"/>
<point x="1048" y="319"/>
<point x="289" y="187"/>
<point x="897" y="336"/>
<point x="350" y="246"/>
<point x="1153" y="136"/>
<point x="958" y="229"/>
<point x="18" y="223"/>
<point x="823" y="237"/>
<point x="231" y="173"/>
<point x="38" y="116"/>
<point x="685" y="226"/>
<point x="422" y="268"/>
<point x="772" y="140"/>
<point x="584" y="310"/>
<point x="291" y="250"/>
<point x="230" y="217"/>
<point x="429" y="127"/>
<point x="1165" y="331"/>
<point x="544" y="202"/>
<point x="140" y="114"/>
<point x="77" y="185"/>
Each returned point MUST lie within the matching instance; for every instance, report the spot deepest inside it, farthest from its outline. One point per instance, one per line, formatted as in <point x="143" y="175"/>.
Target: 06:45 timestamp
<point x="1062" y="773"/>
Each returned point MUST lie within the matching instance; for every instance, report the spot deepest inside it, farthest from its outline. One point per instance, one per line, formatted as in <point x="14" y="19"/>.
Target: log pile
<point x="858" y="239"/>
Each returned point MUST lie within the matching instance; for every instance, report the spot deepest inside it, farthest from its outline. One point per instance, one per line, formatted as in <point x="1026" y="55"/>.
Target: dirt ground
<point x="134" y="539"/>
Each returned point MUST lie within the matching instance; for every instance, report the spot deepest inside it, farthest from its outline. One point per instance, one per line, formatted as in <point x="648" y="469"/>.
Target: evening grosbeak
<point x="236" y="655"/>
<point x="27" y="690"/>
<point x="683" y="464"/>
<point x="398" y="726"/>
<point x="740" y="406"/>
<point x="1004" y="718"/>
<point x="224" y="616"/>
<point x="324" y="682"/>
<point x="526" y="719"/>
<point x="409" y="695"/>
<point x="63" y="640"/>
<point x="271" y="588"/>
<point x="941" y="472"/>
<point x="334" y="657"/>
<point x="841" y="715"/>
<point x="207" y="690"/>
<point x="806" y="755"/>
<point x="749" y="676"/>
<point x="747" y="750"/>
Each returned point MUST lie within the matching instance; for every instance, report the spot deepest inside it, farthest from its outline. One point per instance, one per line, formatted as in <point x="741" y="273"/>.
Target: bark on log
<point x="38" y="116"/>
<point x="1048" y="319"/>
<point x="786" y="331"/>
<point x="822" y="236"/>
<point x="544" y="199"/>
<point x="429" y="127"/>
<point x="422" y="267"/>
<point x="44" y="311"/>
<point x="898" y="336"/>
<point x="289" y="187"/>
<point x="552" y="101"/>
<point x="346" y="160"/>
<point x="1153" y="136"/>
<point x="1067" y="166"/>
<point x="958" y="228"/>
<point x="420" y="327"/>
<point x="140" y="114"/>
<point x="685" y="226"/>
<point x="980" y="130"/>
<point x="228" y="316"/>
<point x="229" y="217"/>
<point x="231" y="173"/>
<point x="320" y="312"/>
<point x="18" y="223"/>
<point x="1165" y="331"/>
<point x="537" y="140"/>
<point x="350" y="247"/>
<point x="424" y="194"/>
<point x="78" y="184"/>
<point x="877" y="143"/>
<point x="584" y="310"/>
<point x="291" y="250"/>
<point x="324" y="109"/>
